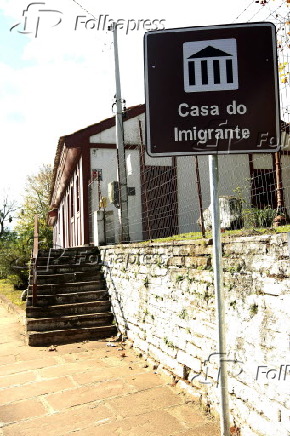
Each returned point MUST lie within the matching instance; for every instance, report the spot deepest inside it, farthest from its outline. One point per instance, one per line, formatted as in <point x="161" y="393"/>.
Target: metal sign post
<point x="218" y="284"/>
<point x="122" y="173"/>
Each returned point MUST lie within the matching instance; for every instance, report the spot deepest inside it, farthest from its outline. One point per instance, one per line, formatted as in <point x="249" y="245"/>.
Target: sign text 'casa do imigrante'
<point x="212" y="90"/>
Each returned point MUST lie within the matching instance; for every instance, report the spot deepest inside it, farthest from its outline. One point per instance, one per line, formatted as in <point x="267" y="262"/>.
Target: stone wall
<point x="163" y="299"/>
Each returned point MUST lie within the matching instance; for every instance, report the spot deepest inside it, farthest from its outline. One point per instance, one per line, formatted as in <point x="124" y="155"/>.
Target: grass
<point x="241" y="232"/>
<point x="11" y="294"/>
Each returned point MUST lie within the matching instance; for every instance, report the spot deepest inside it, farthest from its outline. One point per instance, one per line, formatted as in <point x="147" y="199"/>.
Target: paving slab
<point x="99" y="388"/>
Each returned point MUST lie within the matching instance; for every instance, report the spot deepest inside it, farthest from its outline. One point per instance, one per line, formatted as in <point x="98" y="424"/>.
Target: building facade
<point x="163" y="197"/>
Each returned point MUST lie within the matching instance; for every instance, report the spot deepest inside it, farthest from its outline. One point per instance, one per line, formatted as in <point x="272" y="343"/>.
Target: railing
<point x="34" y="262"/>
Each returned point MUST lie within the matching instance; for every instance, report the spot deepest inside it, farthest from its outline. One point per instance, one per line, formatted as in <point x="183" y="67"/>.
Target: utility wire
<point x="252" y="1"/>
<point x="84" y="9"/>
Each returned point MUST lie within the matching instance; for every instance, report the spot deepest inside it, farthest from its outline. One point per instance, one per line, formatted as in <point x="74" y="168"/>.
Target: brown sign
<point x="212" y="90"/>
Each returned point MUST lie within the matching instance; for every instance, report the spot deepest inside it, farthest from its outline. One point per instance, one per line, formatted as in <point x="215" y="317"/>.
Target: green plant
<point x="179" y="278"/>
<point x="158" y="297"/>
<point x="233" y="269"/>
<point x="183" y="314"/>
<point x="233" y="304"/>
<point x="253" y="217"/>
<point x="254" y="309"/>
<point x="146" y="282"/>
<point x="168" y="343"/>
<point x="206" y="296"/>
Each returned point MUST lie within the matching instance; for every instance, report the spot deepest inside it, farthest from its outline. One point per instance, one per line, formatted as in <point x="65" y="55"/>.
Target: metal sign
<point x="212" y="90"/>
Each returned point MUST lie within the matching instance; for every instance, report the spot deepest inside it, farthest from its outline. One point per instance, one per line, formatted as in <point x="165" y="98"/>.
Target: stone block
<point x="261" y="424"/>
<point x="197" y="261"/>
<point x="178" y="261"/>
<point x="141" y="344"/>
<point x="188" y="360"/>
<point x="192" y="391"/>
<point x="167" y="361"/>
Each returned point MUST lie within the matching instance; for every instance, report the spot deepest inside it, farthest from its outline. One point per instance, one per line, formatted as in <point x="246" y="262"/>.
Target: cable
<point x="244" y="10"/>
<point x="84" y="9"/>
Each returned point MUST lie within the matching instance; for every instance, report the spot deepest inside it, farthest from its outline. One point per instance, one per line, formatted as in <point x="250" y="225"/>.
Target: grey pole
<point x="122" y="173"/>
<point x="218" y="283"/>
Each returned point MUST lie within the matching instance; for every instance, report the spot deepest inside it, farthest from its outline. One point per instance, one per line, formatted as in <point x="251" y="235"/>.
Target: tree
<point x="14" y="258"/>
<point x="6" y="213"/>
<point x="16" y="245"/>
<point x="36" y="202"/>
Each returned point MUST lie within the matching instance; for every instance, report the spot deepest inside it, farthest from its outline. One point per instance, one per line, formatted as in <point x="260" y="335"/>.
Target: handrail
<point x="34" y="261"/>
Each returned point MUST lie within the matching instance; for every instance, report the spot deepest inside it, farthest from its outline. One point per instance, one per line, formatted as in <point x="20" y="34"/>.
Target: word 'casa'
<point x="184" y="110"/>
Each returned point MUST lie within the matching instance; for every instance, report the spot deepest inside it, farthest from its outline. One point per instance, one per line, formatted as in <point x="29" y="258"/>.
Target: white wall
<point x="163" y="299"/>
<point x="234" y="172"/>
<point x="263" y="161"/>
<point x="134" y="202"/>
<point x="131" y="133"/>
<point x="285" y="163"/>
<point x="106" y="159"/>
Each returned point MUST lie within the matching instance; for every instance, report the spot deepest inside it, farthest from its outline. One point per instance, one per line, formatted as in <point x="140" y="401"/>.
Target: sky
<point x="57" y="67"/>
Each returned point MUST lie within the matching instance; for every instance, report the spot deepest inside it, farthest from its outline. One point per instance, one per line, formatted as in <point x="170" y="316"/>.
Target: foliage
<point x="6" y="214"/>
<point x="36" y="202"/>
<point x="254" y="217"/>
<point x="16" y="246"/>
<point x="14" y="258"/>
<point x="258" y="217"/>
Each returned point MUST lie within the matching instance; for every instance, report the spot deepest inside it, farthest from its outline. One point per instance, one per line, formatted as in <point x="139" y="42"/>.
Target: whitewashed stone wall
<point x="163" y="299"/>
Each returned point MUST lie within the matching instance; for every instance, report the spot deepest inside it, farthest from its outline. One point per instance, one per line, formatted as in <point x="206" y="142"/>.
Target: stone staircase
<point x="72" y="301"/>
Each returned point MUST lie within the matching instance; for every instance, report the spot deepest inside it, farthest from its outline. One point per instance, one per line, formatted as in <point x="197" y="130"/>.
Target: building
<point x="163" y="197"/>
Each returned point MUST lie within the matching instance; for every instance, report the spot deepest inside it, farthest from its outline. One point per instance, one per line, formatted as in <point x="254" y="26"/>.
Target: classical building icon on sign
<point x="210" y="65"/>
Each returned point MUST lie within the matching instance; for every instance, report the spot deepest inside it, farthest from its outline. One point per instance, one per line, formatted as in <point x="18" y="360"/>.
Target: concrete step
<point x="67" y="298"/>
<point x="63" y="288"/>
<point x="68" y="277"/>
<point x="69" y="251"/>
<point x="72" y="260"/>
<point x="68" y="322"/>
<point x="73" y="255"/>
<point x="69" y="336"/>
<point x="67" y="268"/>
<point x="68" y="309"/>
<point x="72" y="301"/>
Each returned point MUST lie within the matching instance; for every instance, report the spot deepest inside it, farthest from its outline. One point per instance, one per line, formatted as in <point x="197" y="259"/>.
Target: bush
<point x="258" y="217"/>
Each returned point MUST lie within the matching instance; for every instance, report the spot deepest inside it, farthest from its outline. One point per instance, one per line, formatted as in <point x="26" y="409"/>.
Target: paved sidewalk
<point x="88" y="389"/>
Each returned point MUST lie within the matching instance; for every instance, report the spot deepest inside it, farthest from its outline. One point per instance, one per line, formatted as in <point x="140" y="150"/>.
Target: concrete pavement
<point x="91" y="388"/>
